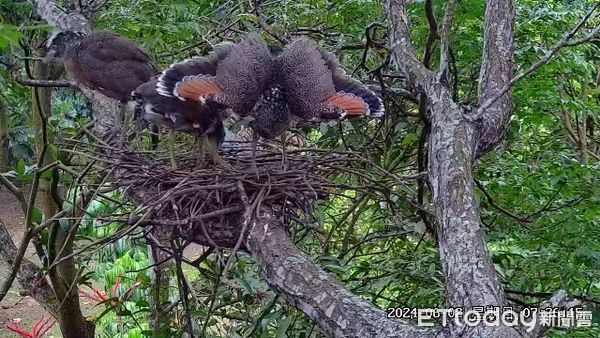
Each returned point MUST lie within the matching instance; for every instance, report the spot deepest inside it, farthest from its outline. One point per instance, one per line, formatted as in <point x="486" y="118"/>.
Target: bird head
<point x="271" y="113"/>
<point x="60" y="43"/>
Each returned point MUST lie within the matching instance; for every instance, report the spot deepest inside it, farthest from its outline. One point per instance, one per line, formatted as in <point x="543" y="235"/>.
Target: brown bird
<point x="159" y="103"/>
<point x="271" y="86"/>
<point x="319" y="89"/>
<point x="103" y="61"/>
<point x="204" y="120"/>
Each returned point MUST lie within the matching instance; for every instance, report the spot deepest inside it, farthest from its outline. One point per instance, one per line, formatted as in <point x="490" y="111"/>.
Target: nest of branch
<point x="207" y="203"/>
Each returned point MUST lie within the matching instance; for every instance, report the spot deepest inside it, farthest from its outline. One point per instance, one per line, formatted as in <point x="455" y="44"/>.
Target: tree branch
<point x="497" y="67"/>
<point x="433" y="33"/>
<point x="404" y="54"/>
<point x="445" y="37"/>
<point x="486" y="103"/>
<point x="45" y="83"/>
<point x="301" y="282"/>
<point x="59" y="18"/>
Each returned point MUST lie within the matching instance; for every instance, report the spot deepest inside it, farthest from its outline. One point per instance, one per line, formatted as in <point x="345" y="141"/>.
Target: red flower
<point x="40" y="328"/>
<point x="96" y="295"/>
<point x="100" y="296"/>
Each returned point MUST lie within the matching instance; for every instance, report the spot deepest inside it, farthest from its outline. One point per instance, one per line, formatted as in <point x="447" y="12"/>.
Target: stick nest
<point x="208" y="202"/>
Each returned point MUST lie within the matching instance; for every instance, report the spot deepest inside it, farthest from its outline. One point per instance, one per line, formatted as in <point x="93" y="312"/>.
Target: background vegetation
<point x="539" y="191"/>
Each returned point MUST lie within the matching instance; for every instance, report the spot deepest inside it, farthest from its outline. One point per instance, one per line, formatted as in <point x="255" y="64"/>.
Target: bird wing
<point x="352" y="90"/>
<point x="191" y="79"/>
<point x="318" y="88"/>
<point x="194" y="70"/>
<point x="112" y="64"/>
<point x="115" y="78"/>
<point x="111" y="46"/>
<point x="173" y="113"/>
<point x="245" y="74"/>
<point x="306" y="78"/>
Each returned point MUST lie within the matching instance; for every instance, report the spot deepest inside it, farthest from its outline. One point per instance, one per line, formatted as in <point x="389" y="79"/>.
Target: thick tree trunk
<point x="301" y="282"/>
<point x="4" y="160"/>
<point x="63" y="275"/>
<point x="30" y="276"/>
<point x="41" y="99"/>
<point x="453" y="144"/>
<point x="64" y="282"/>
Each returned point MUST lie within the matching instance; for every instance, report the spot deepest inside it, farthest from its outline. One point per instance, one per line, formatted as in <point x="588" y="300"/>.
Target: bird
<point x="161" y="101"/>
<point x="319" y="89"/>
<point x="202" y="120"/>
<point x="271" y="86"/>
<point x="104" y="61"/>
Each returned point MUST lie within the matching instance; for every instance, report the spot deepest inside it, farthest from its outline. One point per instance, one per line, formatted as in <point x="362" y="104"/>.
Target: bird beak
<point x="233" y="115"/>
<point x="230" y="117"/>
<point x="50" y="56"/>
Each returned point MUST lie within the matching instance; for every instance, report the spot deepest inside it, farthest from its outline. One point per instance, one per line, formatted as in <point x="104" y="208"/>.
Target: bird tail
<point x="352" y="94"/>
<point x="345" y="84"/>
<point x="191" y="79"/>
<point x="197" y="71"/>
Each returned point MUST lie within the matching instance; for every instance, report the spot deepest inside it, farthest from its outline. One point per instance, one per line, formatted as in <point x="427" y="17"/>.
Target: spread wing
<point x="245" y="74"/>
<point x="306" y="78"/>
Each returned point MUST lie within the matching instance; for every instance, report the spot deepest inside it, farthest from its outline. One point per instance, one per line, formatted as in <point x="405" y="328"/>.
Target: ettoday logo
<point x="528" y="318"/>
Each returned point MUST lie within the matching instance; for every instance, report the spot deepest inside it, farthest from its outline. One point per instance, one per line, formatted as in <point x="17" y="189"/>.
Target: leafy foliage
<point x="539" y="193"/>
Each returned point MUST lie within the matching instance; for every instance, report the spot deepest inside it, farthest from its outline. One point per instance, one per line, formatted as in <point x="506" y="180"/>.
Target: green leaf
<point x="36" y="215"/>
<point x="283" y="327"/>
<point x="20" y="169"/>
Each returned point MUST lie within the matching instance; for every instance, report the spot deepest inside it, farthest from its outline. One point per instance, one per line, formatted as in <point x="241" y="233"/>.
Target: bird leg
<point x="254" y="146"/>
<point x="171" y="147"/>
<point x="154" y="137"/>
<point x="213" y="150"/>
<point x="200" y="150"/>
<point x="127" y="117"/>
<point x="283" y="154"/>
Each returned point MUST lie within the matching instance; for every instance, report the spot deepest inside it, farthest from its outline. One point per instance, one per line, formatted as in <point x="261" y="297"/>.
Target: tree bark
<point x="4" y="160"/>
<point x="471" y="279"/>
<point x="454" y="144"/>
<point x="295" y="277"/>
<point x="30" y="276"/>
<point x="41" y="99"/>
<point x="63" y="275"/>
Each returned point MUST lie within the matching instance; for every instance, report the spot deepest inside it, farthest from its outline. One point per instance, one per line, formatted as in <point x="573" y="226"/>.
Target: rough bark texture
<point x="471" y="279"/>
<point x="470" y="275"/>
<point x="497" y="68"/>
<point x="289" y="271"/>
<point x="295" y="277"/>
<point x="64" y="274"/>
<point x="30" y="276"/>
<point x="41" y="99"/>
<point x="59" y="18"/>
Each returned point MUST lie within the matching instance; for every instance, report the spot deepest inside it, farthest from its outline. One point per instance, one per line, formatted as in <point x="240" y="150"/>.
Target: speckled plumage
<point x="306" y="78"/>
<point x="271" y="113"/>
<point x="319" y="89"/>
<point x="104" y="61"/>
<point x="245" y="74"/>
<point x="198" y="66"/>
<point x="273" y="85"/>
<point x="175" y="114"/>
